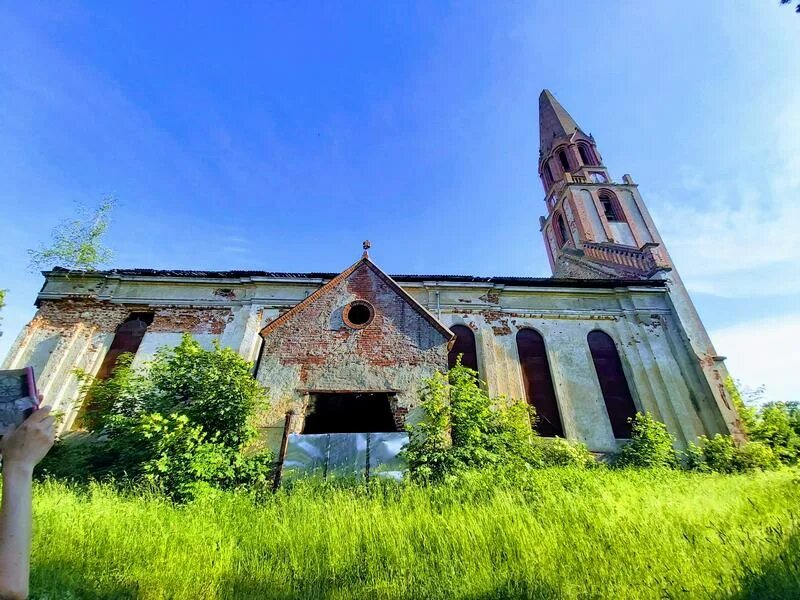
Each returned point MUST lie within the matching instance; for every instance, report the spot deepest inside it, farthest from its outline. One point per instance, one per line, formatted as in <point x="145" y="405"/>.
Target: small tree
<point x="76" y="244"/>
<point x="214" y="388"/>
<point x="428" y="450"/>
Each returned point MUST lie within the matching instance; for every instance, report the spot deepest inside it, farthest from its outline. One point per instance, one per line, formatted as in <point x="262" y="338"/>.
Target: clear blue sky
<point x="280" y="137"/>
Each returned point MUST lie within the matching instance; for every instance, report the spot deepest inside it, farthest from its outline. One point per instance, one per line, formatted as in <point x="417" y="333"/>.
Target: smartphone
<point x="18" y="396"/>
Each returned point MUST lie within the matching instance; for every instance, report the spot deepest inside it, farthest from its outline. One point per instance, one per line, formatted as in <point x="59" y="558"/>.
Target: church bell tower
<point x="597" y="228"/>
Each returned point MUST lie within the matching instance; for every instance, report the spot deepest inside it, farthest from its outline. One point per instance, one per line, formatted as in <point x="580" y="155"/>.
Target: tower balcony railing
<point x="645" y="260"/>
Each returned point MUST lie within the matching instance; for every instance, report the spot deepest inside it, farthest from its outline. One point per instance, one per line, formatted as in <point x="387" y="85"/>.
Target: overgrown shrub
<point x="122" y="391"/>
<point x="214" y="388"/>
<point x="180" y="424"/>
<point x="651" y="445"/>
<point x="775" y="424"/>
<point x="720" y="454"/>
<point x="756" y="455"/>
<point x="558" y="452"/>
<point x="462" y="428"/>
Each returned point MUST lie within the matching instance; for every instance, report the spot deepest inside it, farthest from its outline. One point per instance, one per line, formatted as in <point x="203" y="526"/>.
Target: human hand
<point x="26" y="445"/>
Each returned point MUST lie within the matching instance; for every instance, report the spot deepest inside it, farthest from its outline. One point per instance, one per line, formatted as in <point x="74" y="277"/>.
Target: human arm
<point x="22" y="449"/>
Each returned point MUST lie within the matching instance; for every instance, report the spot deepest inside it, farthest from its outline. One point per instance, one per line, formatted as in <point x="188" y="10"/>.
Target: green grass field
<point x="559" y="533"/>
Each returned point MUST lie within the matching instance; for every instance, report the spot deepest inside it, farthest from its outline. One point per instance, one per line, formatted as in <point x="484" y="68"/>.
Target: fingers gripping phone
<point x="18" y="396"/>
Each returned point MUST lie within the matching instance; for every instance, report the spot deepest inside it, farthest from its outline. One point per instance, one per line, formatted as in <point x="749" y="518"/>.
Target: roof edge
<point x="364" y="260"/>
<point x="405" y="278"/>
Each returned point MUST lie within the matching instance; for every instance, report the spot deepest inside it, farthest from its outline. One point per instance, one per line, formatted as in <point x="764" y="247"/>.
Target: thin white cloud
<point x="764" y="352"/>
<point x="738" y="237"/>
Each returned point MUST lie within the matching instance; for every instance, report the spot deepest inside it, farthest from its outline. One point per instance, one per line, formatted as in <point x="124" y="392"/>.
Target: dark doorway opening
<point x="349" y="413"/>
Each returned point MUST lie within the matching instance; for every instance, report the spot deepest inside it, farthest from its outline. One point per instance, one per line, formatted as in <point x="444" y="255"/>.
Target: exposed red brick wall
<point x="107" y="316"/>
<point x="191" y="319"/>
<point x="64" y="314"/>
<point x="316" y="335"/>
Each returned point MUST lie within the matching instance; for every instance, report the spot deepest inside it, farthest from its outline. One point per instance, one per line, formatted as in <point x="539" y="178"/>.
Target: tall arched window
<point x="539" y="382"/>
<point x="613" y="384"/>
<point x="548" y="175"/>
<point x="611" y="207"/>
<point x="561" y="231"/>
<point x="127" y="339"/>
<point x="562" y="157"/>
<point x="464" y="345"/>
<point x="587" y="156"/>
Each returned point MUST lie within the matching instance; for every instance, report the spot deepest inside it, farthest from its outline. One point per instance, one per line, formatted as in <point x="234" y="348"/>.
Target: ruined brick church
<point x="612" y="332"/>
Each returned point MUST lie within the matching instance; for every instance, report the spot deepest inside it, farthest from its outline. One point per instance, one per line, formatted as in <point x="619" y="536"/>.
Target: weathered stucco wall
<point x="78" y="316"/>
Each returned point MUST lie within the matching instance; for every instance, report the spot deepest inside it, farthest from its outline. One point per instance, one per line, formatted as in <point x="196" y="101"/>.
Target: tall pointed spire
<point x="554" y="121"/>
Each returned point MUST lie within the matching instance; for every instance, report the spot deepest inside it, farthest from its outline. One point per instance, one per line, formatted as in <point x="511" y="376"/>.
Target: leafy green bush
<point x="214" y="388"/>
<point x="720" y="454"/>
<point x="778" y="427"/>
<point x="122" y="391"/>
<point x="463" y="428"/>
<point x="756" y="455"/>
<point x="181" y="424"/>
<point x="651" y="445"/>
<point x="558" y="452"/>
<point x="775" y="424"/>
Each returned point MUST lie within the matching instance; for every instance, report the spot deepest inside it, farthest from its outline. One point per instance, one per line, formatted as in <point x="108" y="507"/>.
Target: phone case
<point x="18" y="396"/>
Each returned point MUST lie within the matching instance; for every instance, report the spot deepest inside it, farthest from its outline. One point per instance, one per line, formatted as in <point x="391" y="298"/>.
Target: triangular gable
<point x="424" y="313"/>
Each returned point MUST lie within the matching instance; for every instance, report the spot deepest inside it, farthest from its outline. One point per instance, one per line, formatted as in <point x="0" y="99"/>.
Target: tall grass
<point x="554" y="533"/>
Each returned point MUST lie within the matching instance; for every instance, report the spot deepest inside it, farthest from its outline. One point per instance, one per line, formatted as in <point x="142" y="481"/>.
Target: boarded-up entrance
<point x="347" y="435"/>
<point x="345" y="455"/>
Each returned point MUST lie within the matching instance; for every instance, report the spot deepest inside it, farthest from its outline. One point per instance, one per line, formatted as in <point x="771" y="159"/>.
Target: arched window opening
<point x="611" y="207"/>
<point x="616" y="394"/>
<point x="548" y="175"/>
<point x="562" y="157"/>
<point x="538" y="382"/>
<point x="126" y="340"/>
<point x="464" y="345"/>
<point x="561" y="231"/>
<point x="586" y="155"/>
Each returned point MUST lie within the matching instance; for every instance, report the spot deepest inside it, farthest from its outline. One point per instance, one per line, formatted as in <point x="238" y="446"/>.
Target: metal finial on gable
<point x="366" y="245"/>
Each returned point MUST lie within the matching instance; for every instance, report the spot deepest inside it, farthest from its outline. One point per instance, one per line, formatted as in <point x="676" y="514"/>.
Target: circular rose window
<point x="358" y="314"/>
